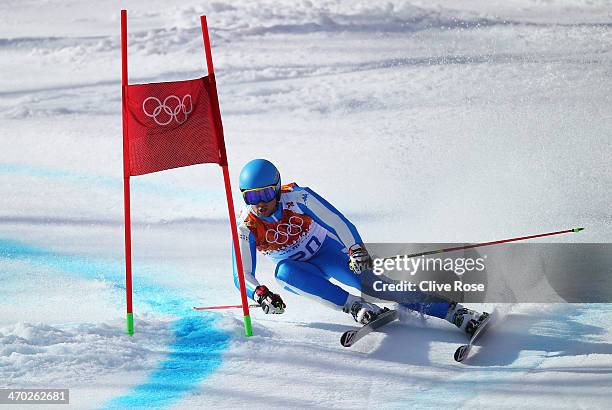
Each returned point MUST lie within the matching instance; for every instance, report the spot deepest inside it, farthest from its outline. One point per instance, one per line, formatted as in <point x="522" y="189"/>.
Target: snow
<point x="451" y="120"/>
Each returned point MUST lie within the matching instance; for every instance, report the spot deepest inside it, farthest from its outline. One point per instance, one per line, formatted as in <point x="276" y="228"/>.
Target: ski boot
<point x="465" y="319"/>
<point x="362" y="311"/>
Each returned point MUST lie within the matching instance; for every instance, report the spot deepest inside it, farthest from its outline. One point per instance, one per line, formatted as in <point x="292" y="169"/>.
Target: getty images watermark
<point x="406" y="265"/>
<point x="506" y="273"/>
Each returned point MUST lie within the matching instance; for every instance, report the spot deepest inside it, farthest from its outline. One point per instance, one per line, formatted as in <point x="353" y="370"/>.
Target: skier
<point x="311" y="242"/>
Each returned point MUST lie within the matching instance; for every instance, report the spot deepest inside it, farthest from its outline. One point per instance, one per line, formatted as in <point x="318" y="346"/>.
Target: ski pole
<point x="478" y="245"/>
<point x="223" y="307"/>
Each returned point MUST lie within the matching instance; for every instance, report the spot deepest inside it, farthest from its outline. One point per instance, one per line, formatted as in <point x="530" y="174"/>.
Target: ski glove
<point x="359" y="259"/>
<point x="271" y="303"/>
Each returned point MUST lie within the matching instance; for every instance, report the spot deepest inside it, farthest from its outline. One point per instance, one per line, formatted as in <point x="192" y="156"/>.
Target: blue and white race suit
<point x="308" y="239"/>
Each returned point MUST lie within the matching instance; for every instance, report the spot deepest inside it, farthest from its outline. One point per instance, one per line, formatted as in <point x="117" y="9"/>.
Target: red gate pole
<point x="226" y="179"/>
<point x="126" y="176"/>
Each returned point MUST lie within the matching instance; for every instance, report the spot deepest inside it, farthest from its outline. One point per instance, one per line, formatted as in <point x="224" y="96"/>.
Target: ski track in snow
<point x="529" y="344"/>
<point x="507" y="102"/>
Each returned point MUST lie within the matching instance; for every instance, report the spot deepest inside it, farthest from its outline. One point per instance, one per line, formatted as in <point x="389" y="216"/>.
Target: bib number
<point x="311" y="247"/>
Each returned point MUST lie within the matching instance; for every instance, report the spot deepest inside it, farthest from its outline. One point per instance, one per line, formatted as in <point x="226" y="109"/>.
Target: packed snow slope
<point x="423" y="121"/>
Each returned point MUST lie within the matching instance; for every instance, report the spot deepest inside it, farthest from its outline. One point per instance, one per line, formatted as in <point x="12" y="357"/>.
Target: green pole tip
<point x="577" y="229"/>
<point x="130" y="324"/>
<point x="248" y="330"/>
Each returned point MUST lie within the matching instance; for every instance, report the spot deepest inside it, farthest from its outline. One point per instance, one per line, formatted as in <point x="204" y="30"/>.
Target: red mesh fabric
<point x="170" y="125"/>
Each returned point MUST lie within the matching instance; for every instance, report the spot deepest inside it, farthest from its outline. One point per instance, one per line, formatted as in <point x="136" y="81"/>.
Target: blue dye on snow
<point x="108" y="182"/>
<point x="16" y="250"/>
<point x="196" y="352"/>
<point x="161" y="299"/>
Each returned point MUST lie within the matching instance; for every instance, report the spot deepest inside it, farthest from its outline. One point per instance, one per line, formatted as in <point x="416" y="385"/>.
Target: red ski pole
<point x="478" y="245"/>
<point x="223" y="307"/>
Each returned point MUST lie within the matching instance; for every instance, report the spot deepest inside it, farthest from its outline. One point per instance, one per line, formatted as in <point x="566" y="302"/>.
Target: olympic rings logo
<point x="281" y="234"/>
<point x="171" y="109"/>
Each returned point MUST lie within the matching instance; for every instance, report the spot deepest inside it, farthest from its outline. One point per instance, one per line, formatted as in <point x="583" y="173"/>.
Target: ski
<point x="350" y="337"/>
<point x="463" y="351"/>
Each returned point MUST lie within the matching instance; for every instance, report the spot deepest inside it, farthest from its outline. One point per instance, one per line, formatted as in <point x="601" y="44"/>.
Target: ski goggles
<point x="257" y="195"/>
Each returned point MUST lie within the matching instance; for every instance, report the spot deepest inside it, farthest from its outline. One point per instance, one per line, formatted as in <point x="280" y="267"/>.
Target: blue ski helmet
<point x="259" y="173"/>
